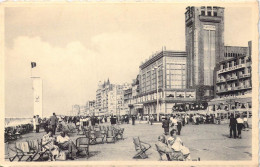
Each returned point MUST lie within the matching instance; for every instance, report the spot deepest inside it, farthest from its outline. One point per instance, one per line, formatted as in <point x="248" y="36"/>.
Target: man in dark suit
<point x="53" y="122"/>
<point x="233" y="126"/>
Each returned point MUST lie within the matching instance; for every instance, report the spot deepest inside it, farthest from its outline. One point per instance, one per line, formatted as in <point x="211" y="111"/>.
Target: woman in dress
<point x="48" y="144"/>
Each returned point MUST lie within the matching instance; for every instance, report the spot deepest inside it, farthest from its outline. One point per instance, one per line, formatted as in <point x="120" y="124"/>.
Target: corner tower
<point x="204" y="32"/>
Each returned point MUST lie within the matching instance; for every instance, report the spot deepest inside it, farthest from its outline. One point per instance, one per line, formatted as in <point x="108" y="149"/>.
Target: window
<point x="242" y="60"/>
<point x="203" y="10"/>
<point x="230" y="64"/>
<point x="209" y="11"/>
<point x="215" y="11"/>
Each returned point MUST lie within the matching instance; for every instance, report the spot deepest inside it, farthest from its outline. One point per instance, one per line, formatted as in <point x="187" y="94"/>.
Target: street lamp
<point x="157" y="89"/>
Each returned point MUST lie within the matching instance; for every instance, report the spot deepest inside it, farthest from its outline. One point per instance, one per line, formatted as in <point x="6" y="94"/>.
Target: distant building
<point x="127" y="98"/>
<point x="90" y="107"/>
<point x="163" y="76"/>
<point x="233" y="90"/>
<point x="109" y="99"/>
<point x="115" y="100"/>
<point x="204" y="46"/>
<point x="133" y="105"/>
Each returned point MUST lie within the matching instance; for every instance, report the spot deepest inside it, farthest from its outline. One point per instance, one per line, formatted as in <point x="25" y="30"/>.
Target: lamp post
<point x="157" y="90"/>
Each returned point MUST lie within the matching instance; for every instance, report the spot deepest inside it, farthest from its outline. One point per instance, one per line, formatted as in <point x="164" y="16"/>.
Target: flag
<point x="33" y="64"/>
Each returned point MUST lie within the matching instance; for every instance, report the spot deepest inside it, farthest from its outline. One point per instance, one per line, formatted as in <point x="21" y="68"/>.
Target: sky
<point x="77" y="46"/>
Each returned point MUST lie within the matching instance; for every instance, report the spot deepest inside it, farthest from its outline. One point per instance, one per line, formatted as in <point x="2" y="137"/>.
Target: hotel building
<point x="162" y="83"/>
<point x="233" y="91"/>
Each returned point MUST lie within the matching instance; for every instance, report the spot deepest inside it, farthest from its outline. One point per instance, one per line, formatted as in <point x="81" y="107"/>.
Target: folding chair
<point x="82" y="143"/>
<point x="141" y="148"/>
<point x="162" y="153"/>
<point x="22" y="149"/>
<point x="110" y="135"/>
<point x="35" y="148"/>
<point x="7" y="154"/>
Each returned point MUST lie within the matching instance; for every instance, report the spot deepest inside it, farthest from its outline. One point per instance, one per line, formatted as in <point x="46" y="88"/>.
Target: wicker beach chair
<point x="110" y="136"/>
<point x="82" y="144"/>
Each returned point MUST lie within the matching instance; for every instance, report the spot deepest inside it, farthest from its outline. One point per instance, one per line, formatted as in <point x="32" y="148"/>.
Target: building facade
<point x="204" y="31"/>
<point x="233" y="90"/>
<point x="102" y="97"/>
<point x="127" y="91"/>
<point x="90" y="107"/>
<point x="109" y="99"/>
<point x="162" y="83"/>
<point x="116" y="100"/>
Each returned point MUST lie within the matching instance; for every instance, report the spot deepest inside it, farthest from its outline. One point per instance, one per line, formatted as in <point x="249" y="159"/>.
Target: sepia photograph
<point x="140" y="83"/>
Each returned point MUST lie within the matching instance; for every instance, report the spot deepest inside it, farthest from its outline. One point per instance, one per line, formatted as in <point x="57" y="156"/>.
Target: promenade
<point x="207" y="141"/>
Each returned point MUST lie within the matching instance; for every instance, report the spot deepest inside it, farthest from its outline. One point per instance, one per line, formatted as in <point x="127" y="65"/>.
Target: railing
<point x="220" y="80"/>
<point x="231" y="68"/>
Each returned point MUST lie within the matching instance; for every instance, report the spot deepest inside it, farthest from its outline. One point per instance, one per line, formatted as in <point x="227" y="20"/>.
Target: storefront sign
<point x="209" y="27"/>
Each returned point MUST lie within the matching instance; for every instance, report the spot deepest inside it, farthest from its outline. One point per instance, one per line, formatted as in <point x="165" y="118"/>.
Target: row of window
<point x="233" y="54"/>
<point x="235" y="84"/>
<point x="232" y="63"/>
<point x="207" y="11"/>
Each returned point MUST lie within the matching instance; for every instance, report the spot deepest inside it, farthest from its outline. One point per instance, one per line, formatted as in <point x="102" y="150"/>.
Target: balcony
<point x="245" y="75"/>
<point x="214" y="19"/>
<point x="232" y="78"/>
<point x="231" y="68"/>
<point x="221" y="80"/>
<point x="221" y="90"/>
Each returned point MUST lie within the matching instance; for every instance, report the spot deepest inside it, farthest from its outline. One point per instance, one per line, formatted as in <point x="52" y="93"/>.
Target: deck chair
<point x="141" y="148"/>
<point x="99" y="135"/>
<point x="110" y="135"/>
<point x="22" y="149"/>
<point x="82" y="144"/>
<point x="161" y="153"/>
<point x="35" y="148"/>
<point x="7" y="154"/>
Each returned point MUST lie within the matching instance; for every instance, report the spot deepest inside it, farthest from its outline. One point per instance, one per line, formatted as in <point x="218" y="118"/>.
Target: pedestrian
<point x="151" y="119"/>
<point x="166" y="125"/>
<point x="179" y="126"/>
<point x="93" y="121"/>
<point x="53" y="123"/>
<point x="34" y="123"/>
<point x="245" y="123"/>
<point x="133" y="120"/>
<point x="239" y="126"/>
<point x="113" y="120"/>
<point x="233" y="126"/>
<point x="173" y="123"/>
<point x="183" y="120"/>
<point x="37" y="123"/>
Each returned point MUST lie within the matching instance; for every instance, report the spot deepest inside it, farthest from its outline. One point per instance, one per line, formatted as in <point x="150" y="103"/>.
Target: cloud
<point x="70" y="74"/>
